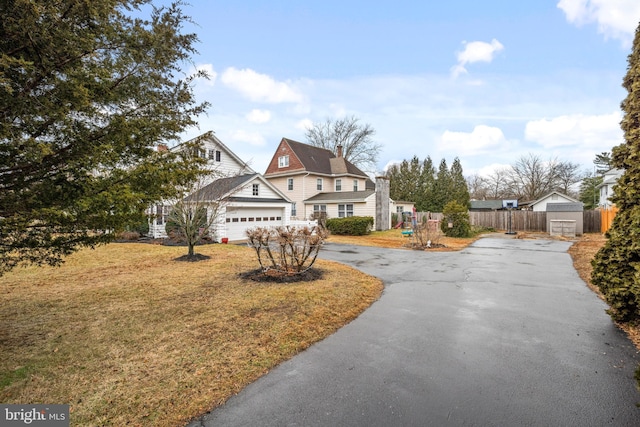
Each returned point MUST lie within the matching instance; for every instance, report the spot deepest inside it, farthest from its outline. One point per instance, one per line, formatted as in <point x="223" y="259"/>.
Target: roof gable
<point x="229" y="164"/>
<point x="559" y="194"/>
<point x="307" y="158"/>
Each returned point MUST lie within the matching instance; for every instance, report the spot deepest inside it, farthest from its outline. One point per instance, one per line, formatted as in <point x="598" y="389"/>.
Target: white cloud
<point x="616" y="19"/>
<point x="489" y="170"/>
<point x="260" y="87"/>
<point x="601" y="131"/>
<point x="476" y="52"/>
<point x="304" y="124"/>
<point x="259" y="116"/>
<point x="253" y="138"/>
<point x="481" y="139"/>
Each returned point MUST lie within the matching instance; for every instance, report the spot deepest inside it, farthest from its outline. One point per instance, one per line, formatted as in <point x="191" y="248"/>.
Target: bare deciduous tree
<point x="478" y="187"/>
<point x="194" y="216"/>
<point x="531" y="178"/>
<point x="497" y="184"/>
<point x="358" y="147"/>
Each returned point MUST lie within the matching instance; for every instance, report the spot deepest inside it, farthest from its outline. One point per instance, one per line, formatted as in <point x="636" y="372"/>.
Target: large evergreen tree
<point x="459" y="187"/>
<point x="87" y="91"/>
<point x="617" y="265"/>
<point x="428" y="180"/>
<point x="442" y="187"/>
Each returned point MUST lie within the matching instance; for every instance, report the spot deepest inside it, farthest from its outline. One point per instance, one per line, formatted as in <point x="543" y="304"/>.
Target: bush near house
<point x="350" y="226"/>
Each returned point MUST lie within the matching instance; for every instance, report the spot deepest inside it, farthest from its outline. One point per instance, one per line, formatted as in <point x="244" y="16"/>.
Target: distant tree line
<point x="528" y="179"/>
<point x="429" y="189"/>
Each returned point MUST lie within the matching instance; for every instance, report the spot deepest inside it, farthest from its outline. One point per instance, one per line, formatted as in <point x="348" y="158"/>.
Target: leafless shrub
<point x="427" y="234"/>
<point x="286" y="250"/>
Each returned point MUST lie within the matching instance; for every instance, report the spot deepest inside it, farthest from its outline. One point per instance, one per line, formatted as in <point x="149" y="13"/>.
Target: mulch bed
<point x="192" y="258"/>
<point x="273" y="276"/>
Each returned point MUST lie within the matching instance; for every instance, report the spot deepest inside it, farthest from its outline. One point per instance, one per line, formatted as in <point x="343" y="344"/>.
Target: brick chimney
<point x="162" y="147"/>
<point x="339" y="147"/>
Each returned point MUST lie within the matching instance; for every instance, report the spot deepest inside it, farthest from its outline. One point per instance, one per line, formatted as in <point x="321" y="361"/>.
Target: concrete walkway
<point x="503" y="333"/>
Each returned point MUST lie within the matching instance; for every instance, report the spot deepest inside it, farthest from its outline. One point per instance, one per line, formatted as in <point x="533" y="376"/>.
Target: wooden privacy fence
<point x="606" y="218"/>
<point x="522" y="220"/>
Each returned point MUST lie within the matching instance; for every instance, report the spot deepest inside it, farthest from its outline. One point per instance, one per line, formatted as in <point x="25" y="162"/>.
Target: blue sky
<point x="485" y="81"/>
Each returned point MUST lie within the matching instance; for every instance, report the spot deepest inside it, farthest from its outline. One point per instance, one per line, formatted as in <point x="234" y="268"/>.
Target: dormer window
<point x="283" y="161"/>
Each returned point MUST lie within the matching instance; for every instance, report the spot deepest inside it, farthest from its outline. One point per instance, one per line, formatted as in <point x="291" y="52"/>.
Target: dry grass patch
<point x="394" y="239"/>
<point x="128" y="336"/>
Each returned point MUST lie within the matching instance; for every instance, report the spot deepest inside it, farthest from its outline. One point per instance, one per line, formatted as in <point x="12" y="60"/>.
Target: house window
<point x="319" y="184"/>
<point x="338" y="185"/>
<point x="399" y="209"/>
<point x="345" y="210"/>
<point x="293" y="210"/>
<point x="212" y="154"/>
<point x="319" y="208"/>
<point x="355" y="185"/>
<point x="283" y="161"/>
<point x="290" y="184"/>
<point x="217" y="155"/>
<point x="256" y="189"/>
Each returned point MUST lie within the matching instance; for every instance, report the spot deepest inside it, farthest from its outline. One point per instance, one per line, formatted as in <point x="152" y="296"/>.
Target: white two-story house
<point x="249" y="200"/>
<point x="610" y="179"/>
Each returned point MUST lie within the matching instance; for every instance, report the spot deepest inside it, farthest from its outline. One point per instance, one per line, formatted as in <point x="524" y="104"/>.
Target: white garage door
<point x="240" y="219"/>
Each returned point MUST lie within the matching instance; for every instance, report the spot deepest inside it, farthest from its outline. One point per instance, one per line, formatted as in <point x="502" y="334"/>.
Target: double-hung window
<point x="345" y="210"/>
<point x="338" y="184"/>
<point x="283" y="161"/>
<point x="290" y="184"/>
<point x="322" y="209"/>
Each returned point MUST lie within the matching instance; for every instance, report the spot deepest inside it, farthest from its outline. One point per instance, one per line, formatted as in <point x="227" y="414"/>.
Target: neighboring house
<point x="610" y="179"/>
<point x="248" y="199"/>
<point x="540" y="205"/>
<point x="320" y="183"/>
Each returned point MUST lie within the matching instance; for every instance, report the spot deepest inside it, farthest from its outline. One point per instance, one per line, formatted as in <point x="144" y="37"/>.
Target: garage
<point x="239" y="219"/>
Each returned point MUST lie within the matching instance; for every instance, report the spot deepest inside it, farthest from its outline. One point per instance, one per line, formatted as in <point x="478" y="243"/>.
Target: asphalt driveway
<point x="503" y="333"/>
